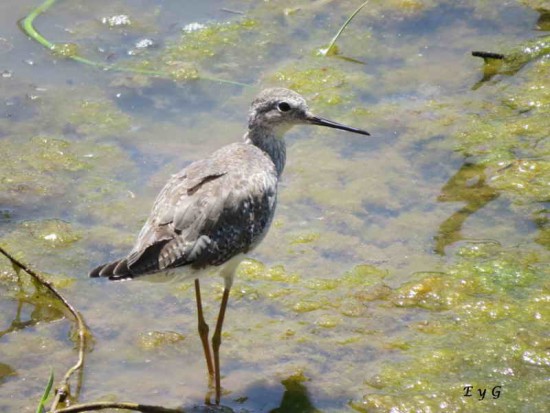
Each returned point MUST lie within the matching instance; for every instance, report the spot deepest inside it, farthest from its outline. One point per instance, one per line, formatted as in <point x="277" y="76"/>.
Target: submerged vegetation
<point x="400" y="269"/>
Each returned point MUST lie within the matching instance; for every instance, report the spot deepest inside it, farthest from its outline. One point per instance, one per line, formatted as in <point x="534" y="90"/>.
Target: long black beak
<point x="315" y="120"/>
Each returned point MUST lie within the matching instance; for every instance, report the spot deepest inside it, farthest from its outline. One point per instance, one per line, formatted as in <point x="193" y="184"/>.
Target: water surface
<point x="400" y="268"/>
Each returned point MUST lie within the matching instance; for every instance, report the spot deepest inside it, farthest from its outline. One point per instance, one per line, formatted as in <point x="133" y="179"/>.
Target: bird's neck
<point x="271" y="142"/>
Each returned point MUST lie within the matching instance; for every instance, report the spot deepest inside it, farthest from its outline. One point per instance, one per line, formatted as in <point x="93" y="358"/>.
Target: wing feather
<point x="210" y="211"/>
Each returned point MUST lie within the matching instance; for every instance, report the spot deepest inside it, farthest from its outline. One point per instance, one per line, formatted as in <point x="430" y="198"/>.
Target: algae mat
<point x="406" y="272"/>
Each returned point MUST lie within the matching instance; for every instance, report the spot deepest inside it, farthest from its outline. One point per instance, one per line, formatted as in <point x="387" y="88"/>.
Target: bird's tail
<point x="116" y="270"/>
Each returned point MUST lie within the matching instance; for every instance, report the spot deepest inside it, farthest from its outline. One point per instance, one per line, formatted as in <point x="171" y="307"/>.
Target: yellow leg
<point x="203" y="331"/>
<point x="217" y="341"/>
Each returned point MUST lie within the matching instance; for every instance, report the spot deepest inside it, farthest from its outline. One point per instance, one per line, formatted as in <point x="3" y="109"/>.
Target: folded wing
<point x="209" y="212"/>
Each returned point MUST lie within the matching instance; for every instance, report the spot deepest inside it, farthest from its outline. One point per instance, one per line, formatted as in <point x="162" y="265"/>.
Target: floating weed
<point x="251" y="269"/>
<point x="67" y="50"/>
<point x="479" y="249"/>
<point x="206" y="41"/>
<point x="320" y="284"/>
<point x="33" y="167"/>
<point x="180" y="71"/>
<point x="51" y="154"/>
<point x="255" y="270"/>
<point x="157" y="340"/>
<point x="52" y="232"/>
<point x="510" y="140"/>
<point x="98" y="117"/>
<point x="363" y="275"/>
<point x="501" y="288"/>
<point x="279" y="274"/>
<point x="44" y="167"/>
<point x="325" y="85"/>
<point x="436" y="292"/>
<point x="516" y="58"/>
<point x="498" y="273"/>
<point x="41" y="240"/>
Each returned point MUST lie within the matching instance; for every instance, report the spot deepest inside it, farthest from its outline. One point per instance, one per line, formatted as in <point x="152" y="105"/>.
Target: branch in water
<point x="144" y="408"/>
<point x="62" y="390"/>
<point x="488" y="55"/>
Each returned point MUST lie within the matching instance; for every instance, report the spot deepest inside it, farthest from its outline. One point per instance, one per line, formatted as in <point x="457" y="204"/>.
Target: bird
<point x="218" y="209"/>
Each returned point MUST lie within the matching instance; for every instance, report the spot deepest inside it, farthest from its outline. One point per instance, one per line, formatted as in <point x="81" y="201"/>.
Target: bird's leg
<point x="216" y="342"/>
<point x="203" y="331"/>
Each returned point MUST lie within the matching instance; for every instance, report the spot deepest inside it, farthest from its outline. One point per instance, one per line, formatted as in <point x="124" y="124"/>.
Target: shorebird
<point x="219" y="208"/>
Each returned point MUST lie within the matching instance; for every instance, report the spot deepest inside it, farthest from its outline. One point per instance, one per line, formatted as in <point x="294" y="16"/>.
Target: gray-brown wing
<point x="209" y="212"/>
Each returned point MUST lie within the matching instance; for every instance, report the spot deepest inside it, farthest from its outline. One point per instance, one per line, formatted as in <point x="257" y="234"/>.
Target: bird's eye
<point x="283" y="107"/>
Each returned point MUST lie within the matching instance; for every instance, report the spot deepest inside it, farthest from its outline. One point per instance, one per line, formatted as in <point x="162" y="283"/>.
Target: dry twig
<point x="136" y="407"/>
<point x="62" y="389"/>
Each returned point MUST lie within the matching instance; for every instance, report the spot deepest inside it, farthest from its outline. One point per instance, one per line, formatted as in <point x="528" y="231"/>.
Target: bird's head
<point x="279" y="109"/>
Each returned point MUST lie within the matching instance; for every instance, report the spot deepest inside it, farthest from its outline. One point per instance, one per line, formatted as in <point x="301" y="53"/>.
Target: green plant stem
<point x="326" y="51"/>
<point x="40" y="408"/>
<point x="27" y="25"/>
<point x="28" y="28"/>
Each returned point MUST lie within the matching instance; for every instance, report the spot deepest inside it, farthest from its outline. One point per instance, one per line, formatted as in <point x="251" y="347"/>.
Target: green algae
<point x="468" y="297"/>
<point x="193" y="54"/>
<point x="516" y="58"/>
<point x="362" y="306"/>
<point x="346" y="294"/>
<point x="98" y="117"/>
<point x="155" y="340"/>
<point x="60" y="111"/>
<point x="508" y="143"/>
<point x="22" y="289"/>
<point x="539" y="5"/>
<point x="45" y="167"/>
<point x="305" y="306"/>
<point x="46" y="241"/>
<point x="207" y="41"/>
<point x="255" y="270"/>
<point x="468" y="185"/>
<point x="305" y="238"/>
<point x="182" y="71"/>
<point x="323" y="84"/>
<point x="363" y="275"/>
<point x="53" y="233"/>
<point x="67" y="50"/>
<point x="31" y="167"/>
<point x="322" y="284"/>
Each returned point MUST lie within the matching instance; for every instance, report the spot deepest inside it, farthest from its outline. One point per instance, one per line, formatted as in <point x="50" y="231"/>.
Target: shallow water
<point x="400" y="268"/>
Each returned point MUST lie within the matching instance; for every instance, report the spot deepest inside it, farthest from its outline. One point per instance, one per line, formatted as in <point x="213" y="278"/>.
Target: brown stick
<point x="488" y="55"/>
<point x="86" y="407"/>
<point x="62" y="390"/>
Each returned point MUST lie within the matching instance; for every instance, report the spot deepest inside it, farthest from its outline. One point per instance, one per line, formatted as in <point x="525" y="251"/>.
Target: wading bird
<point x="219" y="208"/>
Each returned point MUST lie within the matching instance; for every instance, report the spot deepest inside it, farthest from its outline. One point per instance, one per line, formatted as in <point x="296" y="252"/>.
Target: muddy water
<point x="400" y="269"/>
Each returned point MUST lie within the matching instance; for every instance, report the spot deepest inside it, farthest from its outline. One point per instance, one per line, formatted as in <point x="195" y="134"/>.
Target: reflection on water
<point x="468" y="185"/>
<point x="295" y="398"/>
<point x="6" y="371"/>
<point x="31" y="309"/>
